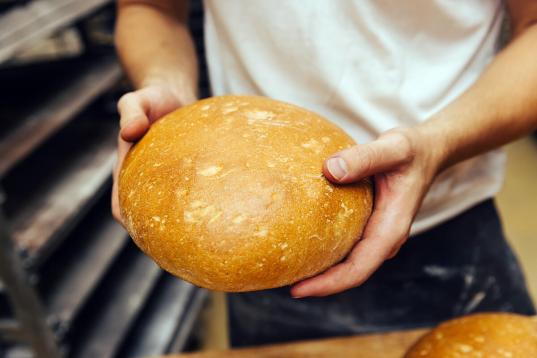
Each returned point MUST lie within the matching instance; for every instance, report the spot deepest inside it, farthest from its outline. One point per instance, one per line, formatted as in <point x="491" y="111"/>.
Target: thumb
<point x="133" y="116"/>
<point x="360" y="161"/>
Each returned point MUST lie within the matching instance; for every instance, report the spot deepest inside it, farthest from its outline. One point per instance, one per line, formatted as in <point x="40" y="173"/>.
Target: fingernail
<point x="337" y="167"/>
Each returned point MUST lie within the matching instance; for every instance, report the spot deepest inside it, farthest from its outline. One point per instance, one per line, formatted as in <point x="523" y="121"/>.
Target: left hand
<point x="403" y="163"/>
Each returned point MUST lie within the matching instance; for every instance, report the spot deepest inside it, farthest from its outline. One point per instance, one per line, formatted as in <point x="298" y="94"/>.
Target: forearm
<point x="500" y="107"/>
<point x="155" y="46"/>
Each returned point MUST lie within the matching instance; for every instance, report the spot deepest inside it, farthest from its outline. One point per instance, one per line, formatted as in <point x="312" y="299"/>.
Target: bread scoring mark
<point x="261" y="233"/>
<point x="197" y="204"/>
<point x="313" y="176"/>
<point x="180" y="192"/>
<point x="347" y="211"/>
<point x="224" y="174"/>
<point x="265" y="118"/>
<point x="191" y="217"/>
<point x="504" y="353"/>
<point x="161" y="222"/>
<point x="238" y="219"/>
<point x="314" y="145"/>
<point x="215" y="217"/>
<point x="199" y="211"/>
<point x="254" y="116"/>
<point x="229" y="110"/>
<point x="210" y="171"/>
<point x="311" y="192"/>
<point x="465" y="348"/>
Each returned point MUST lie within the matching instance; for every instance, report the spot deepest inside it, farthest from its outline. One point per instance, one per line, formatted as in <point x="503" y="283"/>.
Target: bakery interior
<point x="72" y="282"/>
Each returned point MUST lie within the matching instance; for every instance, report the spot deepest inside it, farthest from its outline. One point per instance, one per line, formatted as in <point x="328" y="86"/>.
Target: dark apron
<point x="462" y="266"/>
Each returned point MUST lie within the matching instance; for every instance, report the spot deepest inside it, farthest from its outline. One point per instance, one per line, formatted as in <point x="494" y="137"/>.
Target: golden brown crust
<point x="228" y="194"/>
<point x="480" y="335"/>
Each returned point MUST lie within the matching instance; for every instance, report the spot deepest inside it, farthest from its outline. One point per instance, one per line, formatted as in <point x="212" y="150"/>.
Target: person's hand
<point x="403" y="163"/>
<point x="138" y="110"/>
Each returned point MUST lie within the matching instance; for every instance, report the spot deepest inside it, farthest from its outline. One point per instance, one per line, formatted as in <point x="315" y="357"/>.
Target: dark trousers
<point x="462" y="266"/>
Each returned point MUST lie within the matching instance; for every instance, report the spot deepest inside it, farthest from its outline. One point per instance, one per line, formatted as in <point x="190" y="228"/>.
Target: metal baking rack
<point x="72" y="284"/>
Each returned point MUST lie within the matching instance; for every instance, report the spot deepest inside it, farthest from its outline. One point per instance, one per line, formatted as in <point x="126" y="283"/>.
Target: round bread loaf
<point x="480" y="335"/>
<point x="228" y="194"/>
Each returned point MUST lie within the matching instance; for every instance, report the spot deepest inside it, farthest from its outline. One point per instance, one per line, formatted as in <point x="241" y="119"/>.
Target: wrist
<point x="183" y="89"/>
<point x="434" y="147"/>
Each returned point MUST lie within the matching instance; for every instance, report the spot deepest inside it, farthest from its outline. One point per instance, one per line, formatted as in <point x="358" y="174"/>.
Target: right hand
<point x="138" y="110"/>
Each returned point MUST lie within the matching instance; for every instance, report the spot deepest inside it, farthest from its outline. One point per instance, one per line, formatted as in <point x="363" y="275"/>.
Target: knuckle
<point x="356" y="276"/>
<point x="369" y="158"/>
<point x="363" y="159"/>
<point x="394" y="253"/>
<point x="126" y="98"/>
<point x="403" y="140"/>
<point x="401" y="235"/>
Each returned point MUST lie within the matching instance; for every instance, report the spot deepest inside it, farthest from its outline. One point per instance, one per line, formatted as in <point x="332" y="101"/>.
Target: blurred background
<point x="71" y="282"/>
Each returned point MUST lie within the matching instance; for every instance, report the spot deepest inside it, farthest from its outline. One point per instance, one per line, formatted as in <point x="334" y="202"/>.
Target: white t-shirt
<point x="366" y="65"/>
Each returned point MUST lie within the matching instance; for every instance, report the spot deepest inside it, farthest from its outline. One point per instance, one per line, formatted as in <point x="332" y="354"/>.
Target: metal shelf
<point x="76" y="285"/>
<point x="86" y="84"/>
<point x="18" y="352"/>
<point x="165" y="317"/>
<point x="23" y="25"/>
<point x="95" y="246"/>
<point x="120" y="301"/>
<point x="10" y="330"/>
<point x="62" y="181"/>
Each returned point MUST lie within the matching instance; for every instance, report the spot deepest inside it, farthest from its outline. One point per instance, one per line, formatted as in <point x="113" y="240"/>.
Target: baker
<point x="422" y="85"/>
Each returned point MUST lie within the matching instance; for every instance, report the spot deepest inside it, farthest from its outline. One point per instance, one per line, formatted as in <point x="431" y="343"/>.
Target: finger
<point x="387" y="228"/>
<point x="363" y="261"/>
<point x="122" y="150"/>
<point x="134" y="122"/>
<point x="395" y="251"/>
<point x="360" y="161"/>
